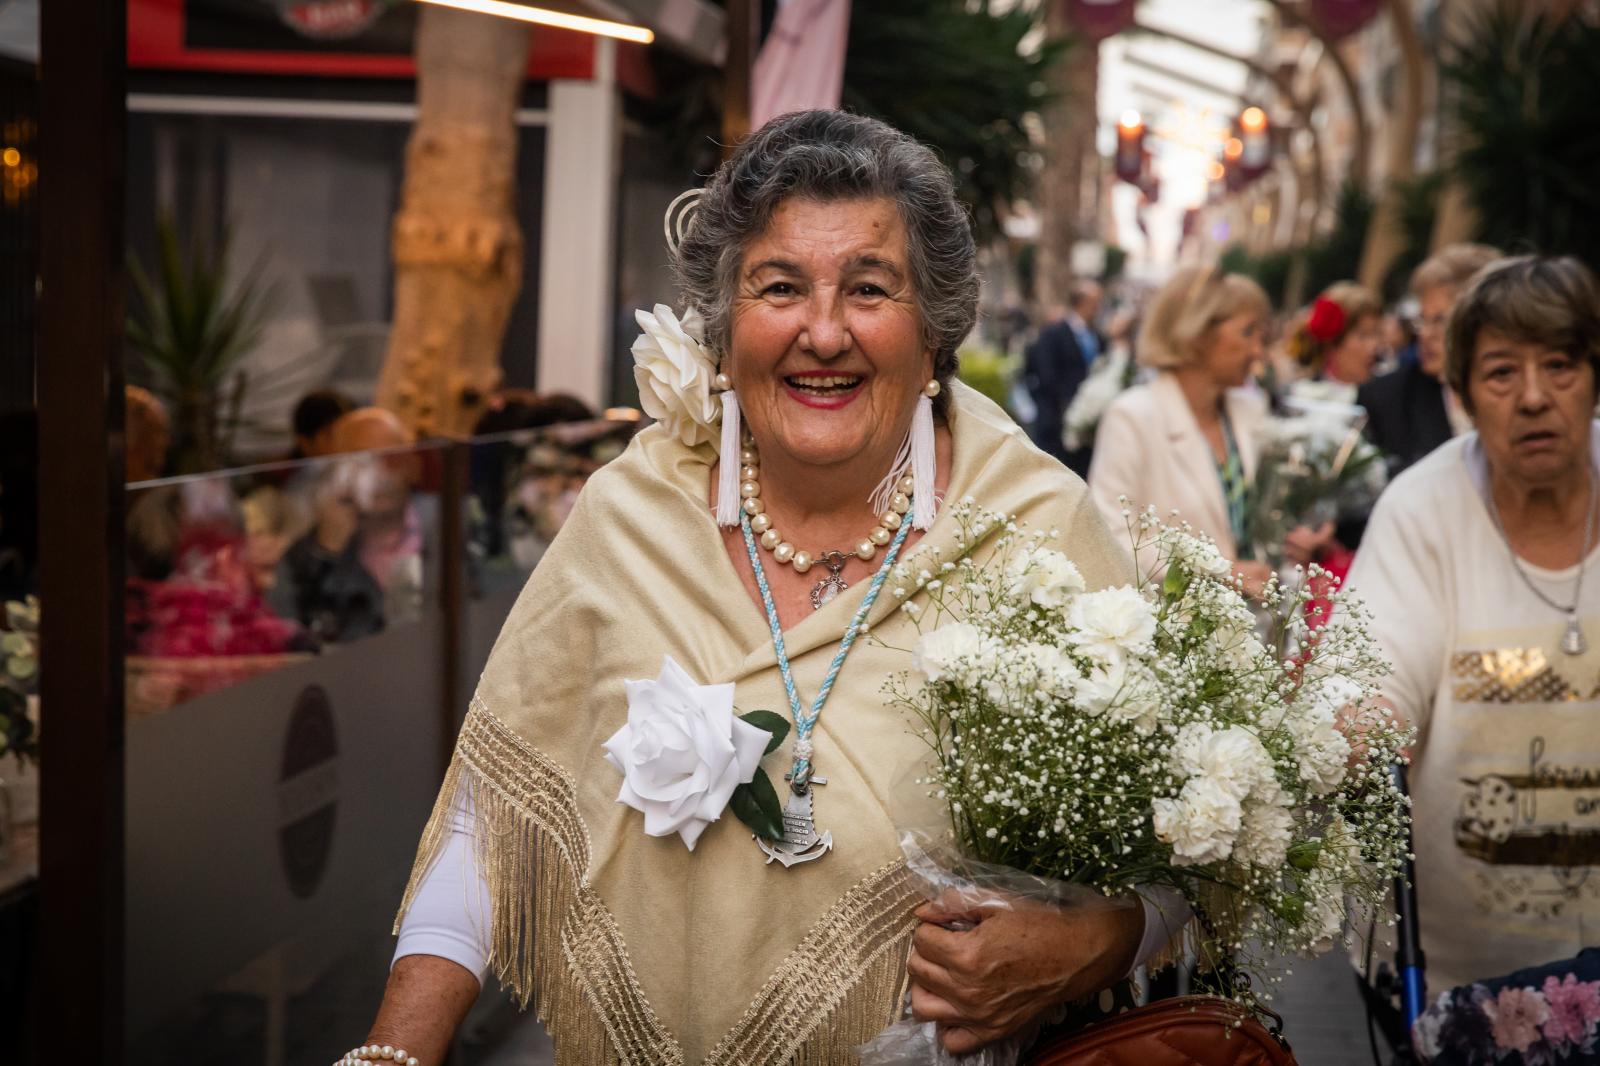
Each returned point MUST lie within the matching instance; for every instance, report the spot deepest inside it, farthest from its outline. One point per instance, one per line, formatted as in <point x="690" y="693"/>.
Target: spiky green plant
<point x="959" y="76"/>
<point x="194" y="328"/>
<point x="1524" y="85"/>
<point x="1419" y="206"/>
<point x="1337" y="255"/>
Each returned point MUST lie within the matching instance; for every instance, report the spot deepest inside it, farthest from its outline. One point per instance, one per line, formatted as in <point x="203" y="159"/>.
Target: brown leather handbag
<point x="1185" y="1031"/>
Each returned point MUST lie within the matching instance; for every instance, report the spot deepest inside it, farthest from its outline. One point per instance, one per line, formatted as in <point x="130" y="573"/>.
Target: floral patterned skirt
<point x="1542" y="1016"/>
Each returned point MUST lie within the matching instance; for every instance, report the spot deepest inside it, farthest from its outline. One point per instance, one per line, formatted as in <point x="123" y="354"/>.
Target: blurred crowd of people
<point x="340" y="538"/>
<point x="1437" y="458"/>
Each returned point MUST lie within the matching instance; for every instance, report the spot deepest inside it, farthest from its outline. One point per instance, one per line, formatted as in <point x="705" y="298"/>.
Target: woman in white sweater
<point x="1187" y="441"/>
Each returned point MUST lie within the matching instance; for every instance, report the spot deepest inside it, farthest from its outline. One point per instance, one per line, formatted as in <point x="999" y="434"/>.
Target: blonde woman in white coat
<point x="1188" y="440"/>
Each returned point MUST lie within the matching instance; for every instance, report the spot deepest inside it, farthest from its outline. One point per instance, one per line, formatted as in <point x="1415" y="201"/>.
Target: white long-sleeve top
<point x="449" y="916"/>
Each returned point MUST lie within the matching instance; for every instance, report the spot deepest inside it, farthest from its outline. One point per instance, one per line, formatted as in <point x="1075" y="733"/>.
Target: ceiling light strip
<point x="559" y="20"/>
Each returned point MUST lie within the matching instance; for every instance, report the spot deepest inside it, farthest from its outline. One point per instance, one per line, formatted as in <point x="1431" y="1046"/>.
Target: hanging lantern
<point x="1255" y="142"/>
<point x="1129" y="162"/>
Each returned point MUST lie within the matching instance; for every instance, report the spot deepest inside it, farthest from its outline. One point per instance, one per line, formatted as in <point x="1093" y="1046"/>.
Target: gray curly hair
<point x="831" y="155"/>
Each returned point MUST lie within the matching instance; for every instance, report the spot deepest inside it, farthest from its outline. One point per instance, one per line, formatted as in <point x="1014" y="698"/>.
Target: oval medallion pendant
<point x="827" y="590"/>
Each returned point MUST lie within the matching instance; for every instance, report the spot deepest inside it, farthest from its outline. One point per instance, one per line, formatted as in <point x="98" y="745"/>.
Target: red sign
<point x="330" y="18"/>
<point x="1340" y="18"/>
<point x="330" y="38"/>
<point x="1099" y="19"/>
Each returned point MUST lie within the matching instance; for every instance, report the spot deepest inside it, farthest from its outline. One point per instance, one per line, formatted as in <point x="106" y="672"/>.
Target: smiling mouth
<point x="825" y="386"/>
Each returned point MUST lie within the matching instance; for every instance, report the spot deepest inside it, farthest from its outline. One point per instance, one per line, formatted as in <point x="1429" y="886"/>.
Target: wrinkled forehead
<point x="830" y="235"/>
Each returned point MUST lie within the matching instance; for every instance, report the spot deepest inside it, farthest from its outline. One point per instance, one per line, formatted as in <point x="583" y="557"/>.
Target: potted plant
<point x="194" y="329"/>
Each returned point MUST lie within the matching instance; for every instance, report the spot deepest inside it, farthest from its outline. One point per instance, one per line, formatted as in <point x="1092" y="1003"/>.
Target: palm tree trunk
<point x="457" y="245"/>
<point x="1069" y="128"/>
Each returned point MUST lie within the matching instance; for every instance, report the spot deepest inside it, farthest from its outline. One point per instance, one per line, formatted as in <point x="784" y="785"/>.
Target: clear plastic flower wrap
<point x="960" y="884"/>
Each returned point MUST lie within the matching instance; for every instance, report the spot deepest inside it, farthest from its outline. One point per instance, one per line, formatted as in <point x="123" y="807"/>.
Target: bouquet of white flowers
<point x="1315" y="467"/>
<point x="1143" y="737"/>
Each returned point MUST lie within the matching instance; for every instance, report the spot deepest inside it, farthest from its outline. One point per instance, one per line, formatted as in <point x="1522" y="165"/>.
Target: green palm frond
<point x="193" y="328"/>
<point x="1524" y="85"/>
<point x="962" y="78"/>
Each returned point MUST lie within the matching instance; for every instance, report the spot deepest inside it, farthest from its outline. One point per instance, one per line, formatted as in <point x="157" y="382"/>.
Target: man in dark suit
<point x="1054" y="367"/>
<point x="1410" y="411"/>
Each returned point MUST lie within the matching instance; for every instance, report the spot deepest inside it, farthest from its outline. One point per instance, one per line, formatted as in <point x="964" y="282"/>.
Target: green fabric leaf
<point x="756" y="805"/>
<point x="776" y="724"/>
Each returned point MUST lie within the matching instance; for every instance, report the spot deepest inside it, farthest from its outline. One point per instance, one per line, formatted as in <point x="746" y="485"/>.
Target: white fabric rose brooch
<point x="675" y="374"/>
<point x="685" y="757"/>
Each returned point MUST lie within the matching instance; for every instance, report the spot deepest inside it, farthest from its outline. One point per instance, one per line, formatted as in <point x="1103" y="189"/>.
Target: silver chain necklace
<point x="1573" y="641"/>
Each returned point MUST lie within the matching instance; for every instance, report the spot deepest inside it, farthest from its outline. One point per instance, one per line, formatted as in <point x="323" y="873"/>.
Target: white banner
<point x="801" y="65"/>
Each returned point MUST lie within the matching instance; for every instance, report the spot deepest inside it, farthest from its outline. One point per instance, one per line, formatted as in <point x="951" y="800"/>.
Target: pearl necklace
<point x="784" y="552"/>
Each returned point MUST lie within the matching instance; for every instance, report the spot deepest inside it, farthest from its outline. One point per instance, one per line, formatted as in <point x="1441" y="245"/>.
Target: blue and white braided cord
<point x="804" y="723"/>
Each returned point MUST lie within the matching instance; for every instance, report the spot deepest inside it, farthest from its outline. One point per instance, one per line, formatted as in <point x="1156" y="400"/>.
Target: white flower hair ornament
<point x="675" y="373"/>
<point x="676" y="376"/>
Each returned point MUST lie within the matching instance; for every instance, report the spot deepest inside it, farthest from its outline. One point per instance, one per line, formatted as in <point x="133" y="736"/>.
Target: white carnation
<point x="1266" y="834"/>
<point x="1057" y="674"/>
<point x="1095" y="691"/>
<point x="1140" y="704"/>
<point x="1201" y="824"/>
<point x="937" y="653"/>
<point x="1233" y="758"/>
<point x="1044" y="577"/>
<point x="1112" y="622"/>
<point x="1321" y="750"/>
<point x="674" y="374"/>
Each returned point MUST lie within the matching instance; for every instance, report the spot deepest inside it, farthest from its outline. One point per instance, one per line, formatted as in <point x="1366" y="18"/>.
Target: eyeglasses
<point x="1432" y="324"/>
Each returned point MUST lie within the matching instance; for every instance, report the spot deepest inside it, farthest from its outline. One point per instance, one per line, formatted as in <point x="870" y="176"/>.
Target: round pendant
<point x="827" y="590"/>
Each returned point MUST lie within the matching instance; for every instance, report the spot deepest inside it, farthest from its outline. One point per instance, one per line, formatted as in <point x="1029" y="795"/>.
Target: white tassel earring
<point x="924" y="462"/>
<point x="916" y="458"/>
<point x="728" y="465"/>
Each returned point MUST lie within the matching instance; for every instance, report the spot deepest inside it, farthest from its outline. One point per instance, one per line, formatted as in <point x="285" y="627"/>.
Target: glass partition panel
<point x="521" y="487"/>
<point x="236" y="573"/>
<point x="288" y="666"/>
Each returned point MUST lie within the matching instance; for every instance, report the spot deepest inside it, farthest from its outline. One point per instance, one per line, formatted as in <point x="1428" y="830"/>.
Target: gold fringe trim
<point x="552" y="941"/>
<point x="839" y="987"/>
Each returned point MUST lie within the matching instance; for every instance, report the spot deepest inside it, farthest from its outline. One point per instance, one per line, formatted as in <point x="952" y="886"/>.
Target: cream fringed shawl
<point x="634" y="949"/>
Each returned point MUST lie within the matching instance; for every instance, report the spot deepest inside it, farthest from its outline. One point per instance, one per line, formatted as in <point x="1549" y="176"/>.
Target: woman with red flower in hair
<point x="1337" y="341"/>
<point x="1340" y="337"/>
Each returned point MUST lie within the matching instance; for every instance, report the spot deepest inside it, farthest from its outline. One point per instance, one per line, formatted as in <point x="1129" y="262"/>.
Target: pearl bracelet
<point x="376" y="1053"/>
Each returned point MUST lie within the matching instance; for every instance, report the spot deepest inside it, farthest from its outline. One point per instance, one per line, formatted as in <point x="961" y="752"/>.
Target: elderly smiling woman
<point x="831" y="271"/>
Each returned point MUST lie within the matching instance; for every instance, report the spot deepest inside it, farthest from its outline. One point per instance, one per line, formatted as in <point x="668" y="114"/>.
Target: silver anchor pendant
<point x="800" y="842"/>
